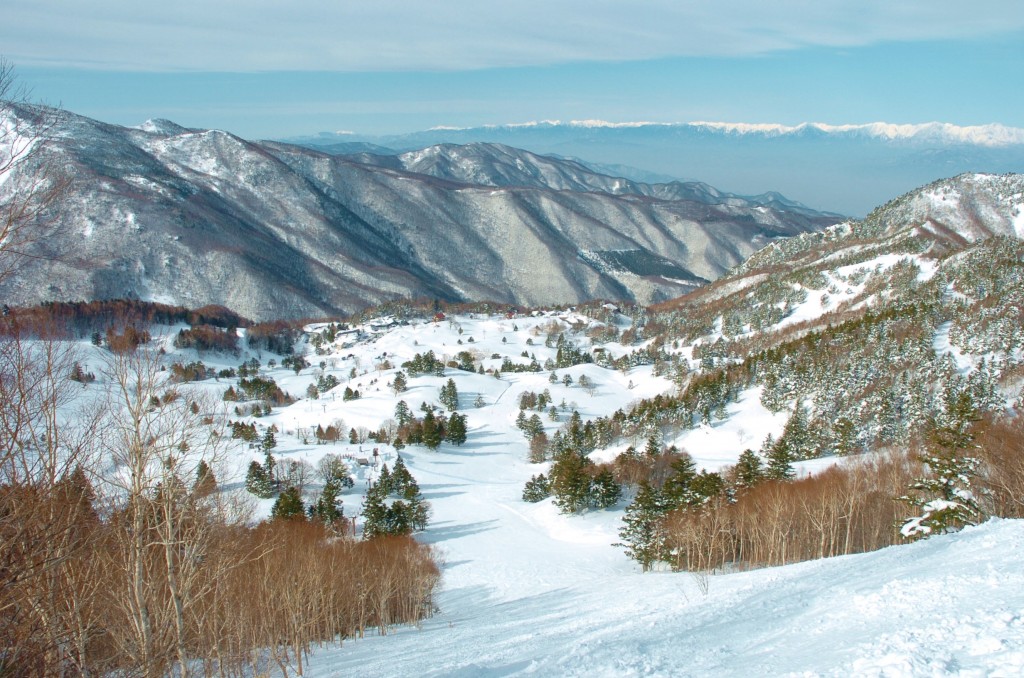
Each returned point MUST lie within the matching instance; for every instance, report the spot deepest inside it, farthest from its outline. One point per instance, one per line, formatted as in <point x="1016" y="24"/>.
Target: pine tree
<point x="399" y="518"/>
<point x="534" y="427"/>
<point x="749" y="470"/>
<point x="945" y="499"/>
<point x="706" y="486"/>
<point x="605" y="492"/>
<point x="288" y="505"/>
<point x="400" y="477"/>
<point x="456" y="431"/>
<point x="403" y="415"/>
<point x="449" y="396"/>
<point x="780" y="461"/>
<point x="797" y="436"/>
<point x="384" y="482"/>
<point x="206" y="482"/>
<point x="328" y="507"/>
<point x="570" y="483"/>
<point x="257" y="482"/>
<point x="375" y="513"/>
<point x="432" y="435"/>
<point x="845" y="437"/>
<point x="400" y="385"/>
<point x="642" y="532"/>
<point x="676" y="491"/>
<point x="537" y="488"/>
<point x="419" y="513"/>
<point x="269" y="441"/>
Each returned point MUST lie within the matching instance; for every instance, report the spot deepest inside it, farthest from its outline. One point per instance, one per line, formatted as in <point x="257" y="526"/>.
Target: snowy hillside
<point x="949" y="606"/>
<point x="528" y="590"/>
<point x="843" y="358"/>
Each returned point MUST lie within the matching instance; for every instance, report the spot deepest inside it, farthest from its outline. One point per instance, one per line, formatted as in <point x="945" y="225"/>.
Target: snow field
<point x="528" y="591"/>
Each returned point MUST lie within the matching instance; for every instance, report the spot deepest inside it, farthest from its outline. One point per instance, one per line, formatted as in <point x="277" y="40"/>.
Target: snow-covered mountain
<point x="488" y="164"/>
<point x="201" y="216"/>
<point x="843" y="168"/>
<point x="870" y="324"/>
<point x="867" y="328"/>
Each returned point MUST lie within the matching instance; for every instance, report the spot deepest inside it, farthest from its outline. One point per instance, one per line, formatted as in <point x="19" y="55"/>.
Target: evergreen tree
<point x="375" y="513"/>
<point x="534" y="427"/>
<point x="328" y="508"/>
<point x="780" y="463"/>
<point x="400" y="477"/>
<point x="419" y="512"/>
<point x="676" y="490"/>
<point x="394" y="504"/>
<point x="642" y="532"/>
<point x="570" y="483"/>
<point x="945" y="499"/>
<point x="537" y="488"/>
<point x="257" y="482"/>
<point x="206" y="482"/>
<point x="384" y="482"/>
<point x="605" y="492"/>
<point x="399" y="518"/>
<point x="399" y="385"/>
<point x="432" y="434"/>
<point x="749" y="470"/>
<point x="288" y="505"/>
<point x="845" y="437"/>
<point x="456" y="431"/>
<point x="269" y="441"/>
<point x="706" y="486"/>
<point x="403" y="415"/>
<point x="449" y="396"/>
<point x="797" y="436"/>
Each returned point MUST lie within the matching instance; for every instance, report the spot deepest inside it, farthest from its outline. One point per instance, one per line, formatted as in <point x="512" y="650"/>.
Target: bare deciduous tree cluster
<point x="845" y="509"/>
<point x="114" y="557"/>
<point x="848" y="509"/>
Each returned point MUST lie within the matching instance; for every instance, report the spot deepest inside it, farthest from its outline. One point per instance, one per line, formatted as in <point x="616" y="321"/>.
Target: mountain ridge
<point x="200" y="217"/>
<point x="843" y="168"/>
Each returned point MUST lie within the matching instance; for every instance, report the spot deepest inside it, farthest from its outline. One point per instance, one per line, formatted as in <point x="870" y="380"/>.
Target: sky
<point x="269" y="69"/>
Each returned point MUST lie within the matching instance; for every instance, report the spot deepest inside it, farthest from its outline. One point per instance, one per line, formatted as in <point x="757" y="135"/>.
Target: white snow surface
<point x="948" y="606"/>
<point x="528" y="591"/>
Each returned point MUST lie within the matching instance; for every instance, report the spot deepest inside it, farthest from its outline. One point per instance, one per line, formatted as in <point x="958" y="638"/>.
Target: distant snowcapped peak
<point x="991" y="135"/>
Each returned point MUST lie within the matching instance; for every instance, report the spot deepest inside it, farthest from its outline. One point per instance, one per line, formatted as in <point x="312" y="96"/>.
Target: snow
<point x="721" y="443"/>
<point x="950" y="605"/>
<point x="942" y="346"/>
<point x="529" y="591"/>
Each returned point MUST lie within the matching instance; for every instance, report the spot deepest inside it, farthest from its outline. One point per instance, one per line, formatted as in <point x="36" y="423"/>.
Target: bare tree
<point x="28" y="184"/>
<point x="41" y="512"/>
<point x="162" y="528"/>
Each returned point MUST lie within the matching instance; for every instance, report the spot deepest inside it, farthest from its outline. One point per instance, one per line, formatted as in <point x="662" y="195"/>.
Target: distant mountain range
<point x="274" y="230"/>
<point x="844" y="168"/>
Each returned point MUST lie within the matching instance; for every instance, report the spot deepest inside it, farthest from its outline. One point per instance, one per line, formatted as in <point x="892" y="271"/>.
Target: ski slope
<point x="951" y="605"/>
<point x="528" y="591"/>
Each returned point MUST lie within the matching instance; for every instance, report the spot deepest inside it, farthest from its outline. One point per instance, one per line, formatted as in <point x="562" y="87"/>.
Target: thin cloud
<point x="413" y="35"/>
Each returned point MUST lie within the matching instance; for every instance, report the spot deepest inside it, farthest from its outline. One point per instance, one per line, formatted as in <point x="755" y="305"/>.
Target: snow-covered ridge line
<point x="992" y="135"/>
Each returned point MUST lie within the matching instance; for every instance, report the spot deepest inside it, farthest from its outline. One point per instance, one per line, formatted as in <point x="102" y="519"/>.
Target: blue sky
<point x="262" y="68"/>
